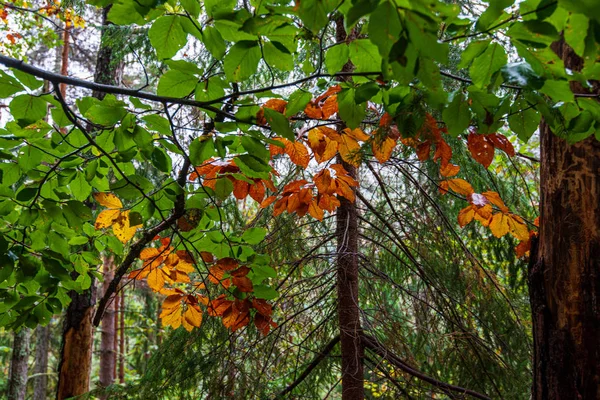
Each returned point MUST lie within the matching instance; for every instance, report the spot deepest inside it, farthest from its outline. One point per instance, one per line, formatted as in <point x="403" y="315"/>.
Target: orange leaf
<point x="523" y="248"/>
<point x="499" y="225"/>
<point x="257" y="191"/>
<point x="240" y="189"/>
<point x="332" y="90"/>
<point x="443" y="152"/>
<point x="495" y="199"/>
<point x="481" y="149"/>
<point x="312" y="110"/>
<point x="449" y="170"/>
<point x="382" y="149"/>
<point x="460" y="186"/>
<point x="323" y="180"/>
<point x="466" y="215"/>
<point x="268" y="201"/>
<point x="329" y="107"/>
<point x="297" y="152"/>
<point x="315" y="211"/>
<point x="423" y="151"/>
<point x="484" y="214"/>
<point x="192" y="317"/>
<point x="108" y="200"/>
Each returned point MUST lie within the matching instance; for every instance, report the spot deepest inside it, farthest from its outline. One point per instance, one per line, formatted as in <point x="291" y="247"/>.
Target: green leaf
<point x="265" y="292"/>
<point x="175" y="83"/>
<point x="487" y="64"/>
<point x="254" y="235"/>
<point x="279" y="123"/>
<point x="523" y="119"/>
<point x="336" y="57"/>
<point x="350" y="112"/>
<point x="161" y="160"/>
<point x="191" y="6"/>
<point x="80" y="187"/>
<point x="214" y="42"/>
<point x="313" y="13"/>
<point x="201" y="149"/>
<point x="457" y="115"/>
<point x="365" y="92"/>
<point x="28" y="108"/>
<point x="28" y="80"/>
<point x="364" y="55"/>
<point x="577" y="24"/>
<point x="223" y="188"/>
<point x="9" y="85"/>
<point x="384" y="27"/>
<point x="276" y="55"/>
<point x="473" y="50"/>
<point x="167" y="36"/>
<point x="242" y="61"/>
<point x="252" y="167"/>
<point x="108" y="112"/>
<point x="558" y="90"/>
<point x="297" y="102"/>
<point x="255" y="147"/>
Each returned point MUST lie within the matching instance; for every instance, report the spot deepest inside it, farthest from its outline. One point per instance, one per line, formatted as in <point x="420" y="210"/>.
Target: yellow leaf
<point x="106" y="218"/>
<point x="315" y="211"/>
<point x="108" y="200"/>
<point x="156" y="279"/>
<point x="121" y="228"/>
<point x="193" y="316"/>
<point x="499" y="225"/>
<point x="357" y="134"/>
<point x="495" y="199"/>
<point x="517" y="227"/>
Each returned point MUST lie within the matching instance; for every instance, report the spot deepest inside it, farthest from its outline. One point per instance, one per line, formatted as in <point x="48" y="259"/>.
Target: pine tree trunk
<point x="40" y="371"/>
<point x="17" y="381"/>
<point x="347" y="277"/>
<point x="107" y="335"/>
<point x="564" y="276"/>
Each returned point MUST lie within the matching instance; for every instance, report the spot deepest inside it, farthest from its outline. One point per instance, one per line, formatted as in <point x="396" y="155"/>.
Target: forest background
<point x="315" y="199"/>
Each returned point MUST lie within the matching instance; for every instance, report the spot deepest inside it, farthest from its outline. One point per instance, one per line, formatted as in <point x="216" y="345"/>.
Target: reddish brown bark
<point x="564" y="274"/>
<point x="64" y="66"/>
<point x="76" y="353"/>
<point x="107" y="335"/>
<point x="347" y="277"/>
<point x="117" y="308"/>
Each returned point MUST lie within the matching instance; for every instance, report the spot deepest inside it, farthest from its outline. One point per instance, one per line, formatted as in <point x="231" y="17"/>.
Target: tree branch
<point x="315" y="362"/>
<point x="372" y="344"/>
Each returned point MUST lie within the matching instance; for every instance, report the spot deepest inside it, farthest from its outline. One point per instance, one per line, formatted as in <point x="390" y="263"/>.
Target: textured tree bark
<point x="40" y="371"/>
<point x="107" y="335"/>
<point x="64" y="66"/>
<point x="347" y="277"/>
<point x="108" y="70"/>
<point x="76" y="353"/>
<point x="117" y="307"/>
<point x="564" y="274"/>
<point x="17" y="381"/>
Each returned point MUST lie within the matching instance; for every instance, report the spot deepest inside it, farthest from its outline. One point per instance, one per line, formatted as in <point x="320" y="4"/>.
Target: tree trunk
<point x="40" y="371"/>
<point x="564" y="275"/>
<point x="116" y="333"/>
<point x="347" y="278"/>
<point x="107" y="335"/>
<point x="17" y="381"/>
<point x="122" y="340"/>
<point x="76" y="354"/>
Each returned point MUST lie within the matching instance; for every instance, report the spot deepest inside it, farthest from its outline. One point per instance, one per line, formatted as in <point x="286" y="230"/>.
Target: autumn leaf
<point x="494" y="198"/>
<point x="297" y="152"/>
<point x="517" y="227"/>
<point x="466" y="215"/>
<point x="460" y="186"/>
<point x="274" y="104"/>
<point x="481" y="149"/>
<point x="119" y="220"/>
<point x="324" y="148"/>
<point x="108" y="200"/>
<point x="449" y="170"/>
<point x="499" y="225"/>
<point x="501" y="142"/>
<point x="382" y="149"/>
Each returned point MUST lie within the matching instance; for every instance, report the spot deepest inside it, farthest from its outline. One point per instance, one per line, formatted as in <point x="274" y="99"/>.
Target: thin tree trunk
<point x="64" y="66"/>
<point x="122" y="340"/>
<point x="40" y="371"/>
<point x="116" y="333"/>
<point x="17" y="382"/>
<point x="564" y="275"/>
<point x="347" y="279"/>
<point x="107" y="335"/>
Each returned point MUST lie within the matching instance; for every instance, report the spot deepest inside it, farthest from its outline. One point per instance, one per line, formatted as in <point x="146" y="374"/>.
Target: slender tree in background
<point x="108" y="330"/>
<point x="564" y="276"/>
<point x="40" y="369"/>
<point x="17" y="381"/>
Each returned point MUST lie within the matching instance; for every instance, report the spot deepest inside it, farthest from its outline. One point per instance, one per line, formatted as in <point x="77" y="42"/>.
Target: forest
<point x="307" y="199"/>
